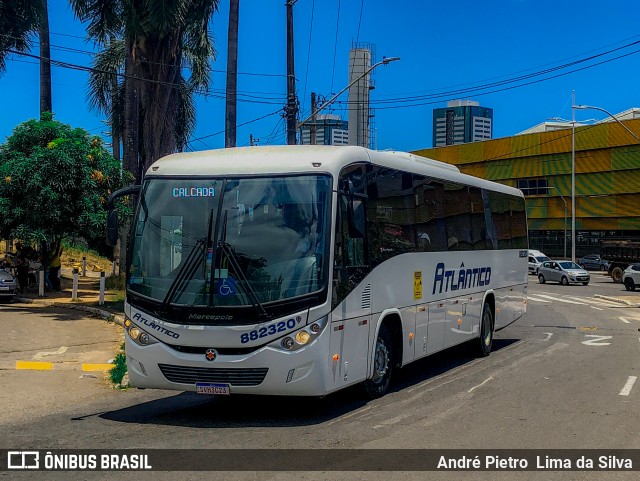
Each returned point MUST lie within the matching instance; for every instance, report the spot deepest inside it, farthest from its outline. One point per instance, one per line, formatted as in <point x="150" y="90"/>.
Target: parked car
<point x="631" y="277"/>
<point x="536" y="258"/>
<point x="8" y="285"/>
<point x="593" y="261"/>
<point x="564" y="272"/>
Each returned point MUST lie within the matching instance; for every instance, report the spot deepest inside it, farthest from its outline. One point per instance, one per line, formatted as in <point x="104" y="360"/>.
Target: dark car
<point x="593" y="262"/>
<point x="8" y="286"/>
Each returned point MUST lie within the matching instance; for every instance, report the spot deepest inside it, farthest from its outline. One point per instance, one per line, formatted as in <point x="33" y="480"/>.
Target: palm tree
<point x="19" y="19"/>
<point x="151" y="105"/>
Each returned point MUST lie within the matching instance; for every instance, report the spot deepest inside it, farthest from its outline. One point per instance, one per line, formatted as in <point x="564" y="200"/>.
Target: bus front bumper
<point x="268" y="370"/>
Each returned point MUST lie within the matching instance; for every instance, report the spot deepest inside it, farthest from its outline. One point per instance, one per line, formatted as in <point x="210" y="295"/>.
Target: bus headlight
<point x="137" y="335"/>
<point x="302" y="337"/>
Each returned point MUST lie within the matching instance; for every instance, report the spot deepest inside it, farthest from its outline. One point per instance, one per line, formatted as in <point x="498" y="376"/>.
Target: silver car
<point x="564" y="272"/>
<point x="8" y="285"/>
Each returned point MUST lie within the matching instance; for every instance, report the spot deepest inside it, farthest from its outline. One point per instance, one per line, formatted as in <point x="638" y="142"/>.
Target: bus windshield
<point x="212" y="242"/>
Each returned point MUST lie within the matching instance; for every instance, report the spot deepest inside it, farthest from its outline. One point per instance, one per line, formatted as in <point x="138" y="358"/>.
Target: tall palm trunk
<point x="232" y="74"/>
<point x="45" y="62"/>
<point x="131" y="116"/>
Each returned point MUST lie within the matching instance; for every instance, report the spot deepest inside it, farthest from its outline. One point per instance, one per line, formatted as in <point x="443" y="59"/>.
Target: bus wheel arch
<point x="386" y="356"/>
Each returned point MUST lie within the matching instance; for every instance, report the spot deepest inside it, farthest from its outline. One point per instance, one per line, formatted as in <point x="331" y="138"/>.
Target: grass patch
<point x="116" y="374"/>
<point x="72" y="255"/>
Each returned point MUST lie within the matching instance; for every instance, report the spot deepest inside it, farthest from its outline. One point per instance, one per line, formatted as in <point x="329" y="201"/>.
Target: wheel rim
<point x="381" y="362"/>
<point x="564" y="281"/>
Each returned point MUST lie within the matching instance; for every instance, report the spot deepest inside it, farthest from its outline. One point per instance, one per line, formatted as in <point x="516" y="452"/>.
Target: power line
<point x="205" y="93"/>
<point x="239" y="125"/>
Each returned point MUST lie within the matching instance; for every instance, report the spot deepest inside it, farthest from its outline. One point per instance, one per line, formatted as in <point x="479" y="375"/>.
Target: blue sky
<point x="442" y="45"/>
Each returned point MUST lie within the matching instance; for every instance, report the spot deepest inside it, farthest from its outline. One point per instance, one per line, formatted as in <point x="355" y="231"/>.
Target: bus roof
<point x="287" y="159"/>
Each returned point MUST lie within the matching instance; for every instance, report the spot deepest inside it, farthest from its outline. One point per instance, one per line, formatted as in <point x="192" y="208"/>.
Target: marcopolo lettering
<point x="156" y="327"/>
<point x="461" y="278"/>
<point x="193" y="192"/>
<point x="210" y="317"/>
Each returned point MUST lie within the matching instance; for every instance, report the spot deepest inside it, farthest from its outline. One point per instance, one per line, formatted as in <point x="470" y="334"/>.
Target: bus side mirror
<point x="112" y="216"/>
<point x="112" y="227"/>
<point x="356" y="219"/>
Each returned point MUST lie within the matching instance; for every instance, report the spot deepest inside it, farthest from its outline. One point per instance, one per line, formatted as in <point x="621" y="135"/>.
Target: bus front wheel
<point x="383" y="361"/>
<point x="486" y="332"/>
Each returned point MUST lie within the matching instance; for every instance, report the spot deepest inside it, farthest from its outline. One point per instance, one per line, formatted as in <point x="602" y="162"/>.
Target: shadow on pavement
<point x="53" y="313"/>
<point x="196" y="411"/>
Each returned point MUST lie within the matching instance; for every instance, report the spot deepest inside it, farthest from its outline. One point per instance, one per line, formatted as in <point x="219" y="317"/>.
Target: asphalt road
<point x="560" y="377"/>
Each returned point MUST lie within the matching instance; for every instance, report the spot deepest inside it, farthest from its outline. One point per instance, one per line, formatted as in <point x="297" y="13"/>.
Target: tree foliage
<point x="152" y="42"/>
<point x="54" y="182"/>
<point x="18" y="20"/>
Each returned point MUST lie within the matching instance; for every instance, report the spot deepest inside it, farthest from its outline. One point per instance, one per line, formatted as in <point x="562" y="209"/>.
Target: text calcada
<point x="461" y="278"/>
<point x="96" y="461"/>
<point x="193" y="192"/>
<point x="155" y="326"/>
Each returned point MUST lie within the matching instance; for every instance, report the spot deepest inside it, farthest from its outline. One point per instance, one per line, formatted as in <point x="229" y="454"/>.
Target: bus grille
<point x="235" y="377"/>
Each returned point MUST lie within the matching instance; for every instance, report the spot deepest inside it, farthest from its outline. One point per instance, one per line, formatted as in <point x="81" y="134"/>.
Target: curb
<point x="96" y="312"/>
<point x="617" y="299"/>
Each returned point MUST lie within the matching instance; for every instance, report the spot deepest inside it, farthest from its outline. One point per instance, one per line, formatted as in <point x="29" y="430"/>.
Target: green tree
<point x="152" y="106"/>
<point x="54" y="182"/>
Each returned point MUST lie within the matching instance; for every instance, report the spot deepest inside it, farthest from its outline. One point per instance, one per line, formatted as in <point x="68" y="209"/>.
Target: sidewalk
<point x="88" y="296"/>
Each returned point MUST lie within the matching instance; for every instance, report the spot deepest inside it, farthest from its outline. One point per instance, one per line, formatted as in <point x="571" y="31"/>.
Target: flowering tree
<point x="54" y="182"/>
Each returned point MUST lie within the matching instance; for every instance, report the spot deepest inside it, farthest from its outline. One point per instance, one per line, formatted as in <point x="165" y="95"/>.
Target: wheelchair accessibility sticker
<point x="227" y="287"/>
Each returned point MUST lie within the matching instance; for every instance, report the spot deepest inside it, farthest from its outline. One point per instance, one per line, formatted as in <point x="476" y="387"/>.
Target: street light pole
<point x="591" y="107"/>
<point x="573" y="176"/>
<point x="384" y="61"/>
<point x="573" y="161"/>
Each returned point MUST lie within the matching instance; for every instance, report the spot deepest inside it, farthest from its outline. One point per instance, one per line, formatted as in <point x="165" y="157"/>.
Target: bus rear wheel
<point x="383" y="361"/>
<point x="485" y="342"/>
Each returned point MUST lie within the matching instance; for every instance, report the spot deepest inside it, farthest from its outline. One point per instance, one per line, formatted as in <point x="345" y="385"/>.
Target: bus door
<point x="352" y="298"/>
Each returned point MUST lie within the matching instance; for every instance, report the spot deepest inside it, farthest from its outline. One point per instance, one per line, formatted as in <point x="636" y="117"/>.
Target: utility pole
<point x="314" y="125"/>
<point x="292" y="105"/>
<point x="252" y="140"/>
<point x="232" y="75"/>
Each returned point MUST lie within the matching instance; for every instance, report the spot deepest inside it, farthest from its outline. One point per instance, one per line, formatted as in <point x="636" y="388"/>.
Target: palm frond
<point x="105" y="17"/>
<point x="106" y="64"/>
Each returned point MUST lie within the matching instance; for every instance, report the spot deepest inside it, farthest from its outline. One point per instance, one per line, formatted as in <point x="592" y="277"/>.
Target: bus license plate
<point x="212" y="388"/>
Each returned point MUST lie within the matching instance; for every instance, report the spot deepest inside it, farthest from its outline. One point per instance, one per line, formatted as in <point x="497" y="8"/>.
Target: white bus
<point x="300" y="270"/>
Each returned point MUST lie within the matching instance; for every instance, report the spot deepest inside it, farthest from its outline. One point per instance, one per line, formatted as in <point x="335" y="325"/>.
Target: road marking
<point x="538" y="300"/>
<point x="34" y="366"/>
<point x="596" y="341"/>
<point x="598" y="302"/>
<point x="549" y="334"/>
<point x="624" y="320"/>
<point x="481" y="384"/>
<point x="626" y="390"/>
<point x="97" y="367"/>
<point x="597" y="308"/>
<point x="560" y="300"/>
<point x="42" y="354"/>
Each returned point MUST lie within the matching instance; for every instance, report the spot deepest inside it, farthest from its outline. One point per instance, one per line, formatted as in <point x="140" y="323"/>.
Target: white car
<point x="536" y="258"/>
<point x="631" y="277"/>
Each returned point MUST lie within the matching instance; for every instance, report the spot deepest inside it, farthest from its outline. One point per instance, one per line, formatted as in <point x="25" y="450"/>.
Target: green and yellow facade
<point x="607" y="173"/>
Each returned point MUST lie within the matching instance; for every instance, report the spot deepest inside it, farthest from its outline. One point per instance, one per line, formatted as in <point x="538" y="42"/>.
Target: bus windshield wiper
<point x="227" y="249"/>
<point x="188" y="268"/>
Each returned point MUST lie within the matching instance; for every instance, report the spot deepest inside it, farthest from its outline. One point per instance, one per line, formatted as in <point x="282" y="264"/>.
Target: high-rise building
<point x="460" y="122"/>
<point x="330" y="130"/>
